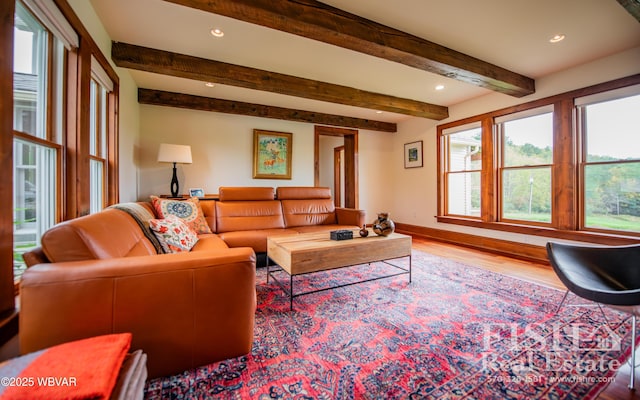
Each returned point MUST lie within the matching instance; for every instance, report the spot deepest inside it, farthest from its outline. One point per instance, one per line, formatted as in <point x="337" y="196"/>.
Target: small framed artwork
<point x="413" y="154"/>
<point x="197" y="192"/>
<point x="271" y="154"/>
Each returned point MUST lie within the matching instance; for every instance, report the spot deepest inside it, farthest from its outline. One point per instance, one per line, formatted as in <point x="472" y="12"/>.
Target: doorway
<point x="349" y="165"/>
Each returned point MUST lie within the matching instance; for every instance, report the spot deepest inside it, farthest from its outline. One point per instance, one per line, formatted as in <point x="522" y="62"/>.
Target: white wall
<point x="129" y="138"/>
<point x="129" y="113"/>
<point x="221" y="149"/>
<point x="222" y="152"/>
<point x="415" y="190"/>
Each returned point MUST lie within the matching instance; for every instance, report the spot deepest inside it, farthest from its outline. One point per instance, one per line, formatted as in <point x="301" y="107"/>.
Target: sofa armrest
<point x="350" y="216"/>
<point x="184" y="310"/>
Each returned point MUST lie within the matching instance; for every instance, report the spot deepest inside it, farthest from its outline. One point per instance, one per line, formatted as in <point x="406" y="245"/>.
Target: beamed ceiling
<point x="365" y="64"/>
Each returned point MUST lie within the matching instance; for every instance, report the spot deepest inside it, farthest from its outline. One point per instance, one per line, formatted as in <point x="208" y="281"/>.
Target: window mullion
<point x="564" y="177"/>
<point x="48" y="109"/>
<point x="7" y="296"/>
<point x="488" y="186"/>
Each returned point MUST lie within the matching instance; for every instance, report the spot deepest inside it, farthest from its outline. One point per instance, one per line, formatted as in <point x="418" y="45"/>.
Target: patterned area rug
<point x="455" y="332"/>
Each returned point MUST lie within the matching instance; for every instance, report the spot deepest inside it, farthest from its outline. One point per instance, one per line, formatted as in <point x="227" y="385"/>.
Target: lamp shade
<point x="174" y="153"/>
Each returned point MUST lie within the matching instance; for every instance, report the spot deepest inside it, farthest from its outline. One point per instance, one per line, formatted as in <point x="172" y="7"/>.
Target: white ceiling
<point x="512" y="34"/>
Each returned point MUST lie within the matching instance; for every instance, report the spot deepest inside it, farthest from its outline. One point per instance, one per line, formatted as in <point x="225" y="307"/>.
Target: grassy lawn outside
<point x="618" y="222"/>
<point x="603" y="221"/>
<point x="525" y="216"/>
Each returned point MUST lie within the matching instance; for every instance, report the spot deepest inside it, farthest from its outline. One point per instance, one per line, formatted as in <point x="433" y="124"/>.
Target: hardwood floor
<point x="532" y="272"/>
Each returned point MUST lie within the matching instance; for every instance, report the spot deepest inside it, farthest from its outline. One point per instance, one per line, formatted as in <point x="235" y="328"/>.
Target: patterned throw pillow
<point x="189" y="211"/>
<point x="174" y="235"/>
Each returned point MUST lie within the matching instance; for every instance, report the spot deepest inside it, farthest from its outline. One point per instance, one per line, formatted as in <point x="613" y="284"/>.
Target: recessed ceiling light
<point x="209" y="84"/>
<point x="557" y="38"/>
<point x="378" y="112"/>
<point x="217" y="32"/>
<point x="439" y="87"/>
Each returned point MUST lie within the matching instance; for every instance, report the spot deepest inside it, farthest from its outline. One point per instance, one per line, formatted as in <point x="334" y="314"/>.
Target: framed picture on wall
<point x="413" y="154"/>
<point x="272" y="154"/>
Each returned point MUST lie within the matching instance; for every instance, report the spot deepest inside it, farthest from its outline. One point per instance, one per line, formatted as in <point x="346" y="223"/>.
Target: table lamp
<point x="174" y="153"/>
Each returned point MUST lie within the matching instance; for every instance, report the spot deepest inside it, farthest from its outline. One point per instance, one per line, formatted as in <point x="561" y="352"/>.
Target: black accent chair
<point x="608" y="275"/>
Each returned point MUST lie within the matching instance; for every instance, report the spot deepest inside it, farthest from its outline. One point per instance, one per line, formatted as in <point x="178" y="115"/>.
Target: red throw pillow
<point x="173" y="234"/>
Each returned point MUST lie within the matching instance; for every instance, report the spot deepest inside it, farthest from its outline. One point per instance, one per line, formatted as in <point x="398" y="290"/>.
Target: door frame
<point x="337" y="176"/>
<point x="350" y="161"/>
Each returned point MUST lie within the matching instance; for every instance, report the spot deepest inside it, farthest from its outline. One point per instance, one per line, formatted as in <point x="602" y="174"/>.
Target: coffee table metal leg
<point x="282" y="283"/>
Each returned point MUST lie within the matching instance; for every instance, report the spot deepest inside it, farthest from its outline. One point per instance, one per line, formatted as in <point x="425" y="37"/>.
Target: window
<point x="525" y="169"/>
<point x="610" y="163"/>
<point x="99" y="133"/>
<point x="48" y="127"/>
<point x="567" y="166"/>
<point x="39" y="81"/>
<point x="31" y="48"/>
<point x="463" y="150"/>
<point x="97" y="143"/>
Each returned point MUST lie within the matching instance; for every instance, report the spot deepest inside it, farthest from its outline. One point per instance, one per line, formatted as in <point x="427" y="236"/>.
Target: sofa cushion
<point x="248" y="215"/>
<point x="174" y="234"/>
<point x="209" y="212"/>
<point x="257" y="239"/>
<point x="108" y="234"/>
<point x="306" y="206"/>
<point x="226" y="193"/>
<point x="208" y="242"/>
<point x="142" y="213"/>
<point x="189" y="210"/>
<point x="303" y="192"/>
<point x="308" y="212"/>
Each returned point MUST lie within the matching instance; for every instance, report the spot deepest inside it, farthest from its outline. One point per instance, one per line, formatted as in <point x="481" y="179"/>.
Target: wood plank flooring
<point x="532" y="272"/>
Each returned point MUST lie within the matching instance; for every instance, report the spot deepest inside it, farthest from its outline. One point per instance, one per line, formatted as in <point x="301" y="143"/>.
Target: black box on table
<point x="342" y="234"/>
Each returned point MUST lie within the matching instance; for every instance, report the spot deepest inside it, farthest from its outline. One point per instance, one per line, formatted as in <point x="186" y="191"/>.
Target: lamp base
<point x="175" y="188"/>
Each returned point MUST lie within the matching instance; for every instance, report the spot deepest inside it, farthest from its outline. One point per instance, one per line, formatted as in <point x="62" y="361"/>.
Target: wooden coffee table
<point x="313" y="252"/>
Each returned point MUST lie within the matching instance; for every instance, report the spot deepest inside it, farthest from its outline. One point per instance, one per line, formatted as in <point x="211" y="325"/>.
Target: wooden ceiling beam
<point x="315" y="20"/>
<point x="184" y="66"/>
<point x="179" y="100"/>
<point x="632" y="7"/>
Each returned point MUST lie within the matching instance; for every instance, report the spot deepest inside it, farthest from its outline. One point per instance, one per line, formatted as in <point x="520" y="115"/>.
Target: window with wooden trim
<point x="57" y="173"/>
<point x="526" y="158"/>
<point x="567" y="166"/>
<point x="463" y="167"/>
<point x="39" y="91"/>
<point x="45" y="54"/>
<point x="610" y="160"/>
<point x="98" y="146"/>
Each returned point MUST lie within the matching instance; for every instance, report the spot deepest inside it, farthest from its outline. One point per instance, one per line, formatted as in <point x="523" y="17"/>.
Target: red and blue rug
<point x="455" y="332"/>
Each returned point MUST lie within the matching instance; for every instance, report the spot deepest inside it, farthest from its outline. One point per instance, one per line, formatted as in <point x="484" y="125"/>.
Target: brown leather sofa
<point x="245" y="216"/>
<point x="99" y="274"/>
